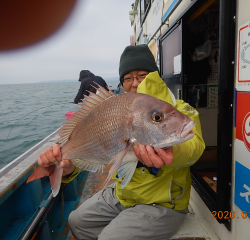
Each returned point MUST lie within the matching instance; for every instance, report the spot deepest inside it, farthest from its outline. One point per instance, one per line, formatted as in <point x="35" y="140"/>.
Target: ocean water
<point x="18" y="100"/>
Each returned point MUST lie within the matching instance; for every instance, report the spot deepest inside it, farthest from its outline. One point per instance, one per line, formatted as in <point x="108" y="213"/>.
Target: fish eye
<point x="157" y="116"/>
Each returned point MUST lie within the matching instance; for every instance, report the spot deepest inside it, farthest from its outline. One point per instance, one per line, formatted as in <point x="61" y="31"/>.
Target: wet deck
<point x="194" y="227"/>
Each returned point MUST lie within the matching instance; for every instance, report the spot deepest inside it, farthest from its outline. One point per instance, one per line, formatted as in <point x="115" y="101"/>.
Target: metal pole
<point x="35" y="220"/>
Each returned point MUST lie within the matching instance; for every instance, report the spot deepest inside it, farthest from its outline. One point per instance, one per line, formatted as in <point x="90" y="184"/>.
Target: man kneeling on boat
<point x="154" y="203"/>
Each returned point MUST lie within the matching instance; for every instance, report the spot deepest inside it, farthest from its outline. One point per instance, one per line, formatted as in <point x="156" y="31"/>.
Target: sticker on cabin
<point x="242" y="187"/>
<point x="243" y="118"/>
<point x="246" y="131"/>
<point x="242" y="141"/>
<point x="242" y="152"/>
<point x="244" y="56"/>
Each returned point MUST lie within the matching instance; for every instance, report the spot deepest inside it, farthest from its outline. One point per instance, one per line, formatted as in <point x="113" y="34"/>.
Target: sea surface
<point x="27" y="114"/>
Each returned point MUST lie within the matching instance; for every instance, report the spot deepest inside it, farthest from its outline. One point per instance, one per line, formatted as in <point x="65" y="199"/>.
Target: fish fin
<point x="55" y="180"/>
<point x="89" y="166"/>
<point x="126" y="171"/>
<point x="41" y="172"/>
<point x="103" y="92"/>
<point x="88" y="103"/>
<point x="117" y="159"/>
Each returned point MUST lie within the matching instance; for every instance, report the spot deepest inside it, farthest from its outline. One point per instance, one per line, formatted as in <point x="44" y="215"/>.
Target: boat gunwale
<point x="16" y="172"/>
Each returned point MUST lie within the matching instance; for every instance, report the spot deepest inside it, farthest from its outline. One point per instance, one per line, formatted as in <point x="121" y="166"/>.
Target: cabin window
<point x="171" y="50"/>
<point x="199" y="79"/>
<point x="144" y="8"/>
<point x="171" y="66"/>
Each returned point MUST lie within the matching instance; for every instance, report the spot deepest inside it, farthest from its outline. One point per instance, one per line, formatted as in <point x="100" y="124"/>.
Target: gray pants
<point x="107" y="219"/>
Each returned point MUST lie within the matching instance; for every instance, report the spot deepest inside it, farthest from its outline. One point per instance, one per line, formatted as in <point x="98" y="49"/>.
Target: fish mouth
<point x="187" y="132"/>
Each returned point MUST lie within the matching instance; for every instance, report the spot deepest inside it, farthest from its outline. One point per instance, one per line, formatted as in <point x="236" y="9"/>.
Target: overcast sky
<point x="93" y="38"/>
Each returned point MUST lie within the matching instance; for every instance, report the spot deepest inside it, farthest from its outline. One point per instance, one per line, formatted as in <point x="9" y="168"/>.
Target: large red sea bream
<point x="106" y="127"/>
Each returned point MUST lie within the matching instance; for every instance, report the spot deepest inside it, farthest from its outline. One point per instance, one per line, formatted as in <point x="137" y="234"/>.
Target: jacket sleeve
<point x="188" y="153"/>
<point x="68" y="178"/>
<point x="90" y="88"/>
<point x="81" y="91"/>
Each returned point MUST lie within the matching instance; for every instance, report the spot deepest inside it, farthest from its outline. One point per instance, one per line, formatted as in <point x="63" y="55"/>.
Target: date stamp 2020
<point x="228" y="215"/>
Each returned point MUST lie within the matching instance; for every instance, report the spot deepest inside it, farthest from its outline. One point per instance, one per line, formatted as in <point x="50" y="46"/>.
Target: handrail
<point x="19" y="159"/>
<point x="38" y="216"/>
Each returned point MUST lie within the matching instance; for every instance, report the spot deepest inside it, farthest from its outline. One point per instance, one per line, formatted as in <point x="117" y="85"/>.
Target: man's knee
<point x="80" y="227"/>
<point x="71" y="220"/>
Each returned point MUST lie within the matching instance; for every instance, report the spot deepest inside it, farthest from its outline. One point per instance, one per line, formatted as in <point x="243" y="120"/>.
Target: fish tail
<point x="41" y="172"/>
<point x="55" y="175"/>
<point x="55" y="180"/>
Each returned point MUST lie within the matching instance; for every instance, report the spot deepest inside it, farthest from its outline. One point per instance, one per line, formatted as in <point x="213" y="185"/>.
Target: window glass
<point x="171" y="48"/>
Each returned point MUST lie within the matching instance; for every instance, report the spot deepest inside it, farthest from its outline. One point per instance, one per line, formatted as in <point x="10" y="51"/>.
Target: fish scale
<point x="100" y="130"/>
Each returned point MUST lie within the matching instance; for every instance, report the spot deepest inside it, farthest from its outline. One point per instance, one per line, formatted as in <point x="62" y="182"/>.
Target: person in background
<point x="87" y="80"/>
<point x="155" y="202"/>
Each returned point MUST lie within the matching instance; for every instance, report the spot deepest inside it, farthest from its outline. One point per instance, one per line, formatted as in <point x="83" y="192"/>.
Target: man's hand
<point x="154" y="157"/>
<point x="53" y="156"/>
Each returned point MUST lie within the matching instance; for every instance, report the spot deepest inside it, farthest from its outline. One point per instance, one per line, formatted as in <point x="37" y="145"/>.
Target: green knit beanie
<point x="136" y="58"/>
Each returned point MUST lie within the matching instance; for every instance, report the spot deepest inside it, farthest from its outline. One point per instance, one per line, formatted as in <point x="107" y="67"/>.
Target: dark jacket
<point x="87" y="80"/>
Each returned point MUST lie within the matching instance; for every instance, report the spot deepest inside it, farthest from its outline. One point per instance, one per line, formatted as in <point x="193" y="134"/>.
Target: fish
<point x="107" y="126"/>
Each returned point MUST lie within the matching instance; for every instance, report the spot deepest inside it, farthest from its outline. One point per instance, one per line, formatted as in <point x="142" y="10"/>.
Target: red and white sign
<point x="246" y="131"/>
<point x="242" y="141"/>
<point x="243" y="117"/>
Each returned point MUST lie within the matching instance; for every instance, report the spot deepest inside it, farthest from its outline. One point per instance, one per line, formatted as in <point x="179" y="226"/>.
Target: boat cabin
<point x="201" y="48"/>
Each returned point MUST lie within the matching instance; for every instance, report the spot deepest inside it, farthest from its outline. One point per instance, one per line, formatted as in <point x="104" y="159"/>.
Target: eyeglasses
<point x="139" y="78"/>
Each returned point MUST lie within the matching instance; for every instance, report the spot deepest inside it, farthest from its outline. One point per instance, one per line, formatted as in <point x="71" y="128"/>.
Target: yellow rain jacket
<point x="172" y="184"/>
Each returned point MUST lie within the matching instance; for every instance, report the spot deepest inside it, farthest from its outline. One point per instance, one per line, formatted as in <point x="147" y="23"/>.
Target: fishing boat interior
<point x="198" y="38"/>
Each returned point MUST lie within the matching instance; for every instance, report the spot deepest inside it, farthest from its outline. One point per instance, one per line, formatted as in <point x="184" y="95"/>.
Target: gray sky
<point x="93" y="38"/>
